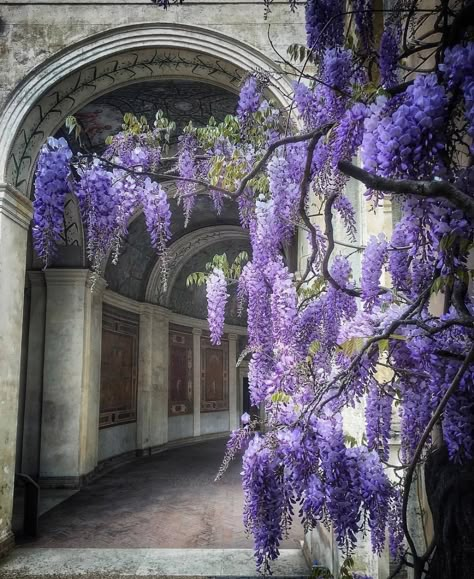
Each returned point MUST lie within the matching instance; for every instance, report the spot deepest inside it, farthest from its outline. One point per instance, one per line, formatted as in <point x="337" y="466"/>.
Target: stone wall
<point x="31" y="32"/>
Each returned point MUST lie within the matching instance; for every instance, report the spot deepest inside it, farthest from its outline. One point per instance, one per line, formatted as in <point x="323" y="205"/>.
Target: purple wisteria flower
<point x="156" y="209"/>
<point x="388" y="57"/>
<point x="245" y="418"/>
<point x="363" y="17"/>
<point x="99" y="203"/>
<point x="249" y="99"/>
<point x="324" y="24"/>
<point x="217" y="296"/>
<point x="405" y="136"/>
<point x="51" y="187"/>
<point x="373" y="260"/>
<point x="186" y="189"/>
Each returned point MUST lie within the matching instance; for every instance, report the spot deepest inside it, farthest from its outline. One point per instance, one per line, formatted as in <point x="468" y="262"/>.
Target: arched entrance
<point x="61" y="378"/>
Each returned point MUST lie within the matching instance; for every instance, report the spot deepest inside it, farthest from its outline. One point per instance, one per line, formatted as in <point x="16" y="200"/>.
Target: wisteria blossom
<point x="216" y="291"/>
<point x="51" y="187"/>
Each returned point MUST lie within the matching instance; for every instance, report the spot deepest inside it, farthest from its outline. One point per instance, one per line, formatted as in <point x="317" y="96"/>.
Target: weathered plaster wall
<point x="31" y="32"/>
<point x="180" y="427"/>
<point x="213" y="422"/>
<point x="116" y="440"/>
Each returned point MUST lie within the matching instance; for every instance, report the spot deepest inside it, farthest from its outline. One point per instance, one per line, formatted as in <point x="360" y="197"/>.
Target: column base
<point x="66" y="482"/>
<point x="7" y="543"/>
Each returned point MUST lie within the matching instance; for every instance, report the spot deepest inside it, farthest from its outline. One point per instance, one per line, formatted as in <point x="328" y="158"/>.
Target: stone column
<point x="34" y="375"/>
<point x="197" y="381"/>
<point x="233" y="410"/>
<point x="145" y="362"/>
<point x="152" y="400"/>
<point x="71" y="378"/>
<point x="15" y="216"/>
<point x="159" y="402"/>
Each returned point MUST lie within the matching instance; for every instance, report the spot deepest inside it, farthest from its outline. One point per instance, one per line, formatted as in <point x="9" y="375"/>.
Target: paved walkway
<point x="168" y="500"/>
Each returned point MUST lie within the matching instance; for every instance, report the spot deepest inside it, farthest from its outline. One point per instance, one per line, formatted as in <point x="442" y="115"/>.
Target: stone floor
<point x="168" y="500"/>
<point x="151" y="563"/>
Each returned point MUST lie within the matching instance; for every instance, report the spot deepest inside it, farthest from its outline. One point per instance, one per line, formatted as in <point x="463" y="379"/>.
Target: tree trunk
<point x="450" y="493"/>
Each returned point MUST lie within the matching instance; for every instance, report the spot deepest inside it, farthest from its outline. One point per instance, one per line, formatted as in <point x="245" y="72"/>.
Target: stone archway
<point x="181" y="251"/>
<point x="107" y="61"/>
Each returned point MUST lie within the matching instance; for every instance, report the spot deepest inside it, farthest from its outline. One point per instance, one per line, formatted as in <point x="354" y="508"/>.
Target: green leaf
<point x="463" y="275"/>
<point x="398" y="337"/>
<point x="350" y="440"/>
<point x="353" y="345"/>
<point x="383" y="345"/>
<point x="281" y="397"/>
<point x="314" y="347"/>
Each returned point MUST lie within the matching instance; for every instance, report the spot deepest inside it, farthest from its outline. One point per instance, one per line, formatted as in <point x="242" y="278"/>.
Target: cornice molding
<point x="116" y="300"/>
<point x="15" y="206"/>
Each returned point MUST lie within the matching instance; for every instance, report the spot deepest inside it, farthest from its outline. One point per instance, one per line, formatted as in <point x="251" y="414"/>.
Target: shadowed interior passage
<point x="167" y="500"/>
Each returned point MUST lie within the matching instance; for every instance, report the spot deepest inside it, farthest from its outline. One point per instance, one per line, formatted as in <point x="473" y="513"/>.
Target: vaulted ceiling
<point x="181" y="101"/>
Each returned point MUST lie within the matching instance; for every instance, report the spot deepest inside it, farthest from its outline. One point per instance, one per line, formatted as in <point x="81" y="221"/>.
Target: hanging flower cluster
<point x="408" y="135"/>
<point x="216" y="290"/>
<point x="186" y="190"/>
<point x="51" y="187"/>
<point x="249" y="99"/>
<point x="99" y="210"/>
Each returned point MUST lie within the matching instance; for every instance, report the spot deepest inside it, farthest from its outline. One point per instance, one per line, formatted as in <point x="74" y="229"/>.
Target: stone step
<point x="43" y="563"/>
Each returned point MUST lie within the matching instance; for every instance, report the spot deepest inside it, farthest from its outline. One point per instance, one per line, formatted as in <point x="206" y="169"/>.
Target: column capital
<point x="197" y="332"/>
<point x="63" y="276"/>
<point x="36" y="277"/>
<point x="146" y="309"/>
<point x="232" y="337"/>
<point x="15" y="206"/>
<point x="66" y="276"/>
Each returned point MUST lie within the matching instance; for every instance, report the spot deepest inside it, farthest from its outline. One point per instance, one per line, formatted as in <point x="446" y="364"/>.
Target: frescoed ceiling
<point x="180" y="100"/>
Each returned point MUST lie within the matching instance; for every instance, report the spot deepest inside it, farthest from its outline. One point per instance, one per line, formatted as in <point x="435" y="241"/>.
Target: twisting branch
<point x="330" y="248"/>
<point x="343" y="376"/>
<point x="304" y="188"/>
<point x="429" y="189"/>
<point x="166" y="177"/>
<point x="272" y="147"/>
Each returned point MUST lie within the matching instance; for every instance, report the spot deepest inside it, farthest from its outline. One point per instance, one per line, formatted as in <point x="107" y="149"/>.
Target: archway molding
<point x="184" y="249"/>
<point x="101" y="63"/>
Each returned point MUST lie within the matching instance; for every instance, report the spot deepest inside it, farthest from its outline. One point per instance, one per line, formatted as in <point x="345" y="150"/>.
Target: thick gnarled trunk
<point x="450" y="492"/>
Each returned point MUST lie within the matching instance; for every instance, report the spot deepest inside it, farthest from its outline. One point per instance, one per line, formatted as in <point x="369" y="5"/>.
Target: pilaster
<point x="233" y="411"/>
<point x="197" y="381"/>
<point x="71" y="377"/>
<point x="145" y="372"/>
<point x="34" y="375"/>
<point x="15" y="217"/>
<point x="159" y="421"/>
